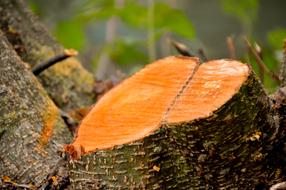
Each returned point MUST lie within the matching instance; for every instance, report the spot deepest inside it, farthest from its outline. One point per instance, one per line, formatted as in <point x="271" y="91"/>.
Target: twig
<point x="231" y="47"/>
<point x="185" y="51"/>
<point x="260" y="62"/>
<point x="151" y="31"/>
<point x="11" y="184"/>
<point x="202" y="55"/>
<point x="25" y="186"/>
<point x="37" y="69"/>
<point x="258" y="50"/>
<point x="283" y="66"/>
<point x="260" y="69"/>
<point x="181" y="48"/>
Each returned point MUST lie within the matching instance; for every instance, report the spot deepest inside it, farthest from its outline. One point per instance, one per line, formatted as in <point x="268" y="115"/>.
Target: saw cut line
<point x="164" y="121"/>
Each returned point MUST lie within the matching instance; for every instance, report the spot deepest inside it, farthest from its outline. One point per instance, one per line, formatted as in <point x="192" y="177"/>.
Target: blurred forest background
<point x="121" y="36"/>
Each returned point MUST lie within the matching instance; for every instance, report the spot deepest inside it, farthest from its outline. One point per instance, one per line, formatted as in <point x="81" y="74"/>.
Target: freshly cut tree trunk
<point x="68" y="84"/>
<point x="31" y="130"/>
<point x="177" y="124"/>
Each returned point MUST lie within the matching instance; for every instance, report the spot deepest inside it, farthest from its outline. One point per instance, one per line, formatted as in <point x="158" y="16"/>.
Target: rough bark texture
<point x="279" y="100"/>
<point x="230" y="149"/>
<point x="31" y="130"/>
<point x="67" y="83"/>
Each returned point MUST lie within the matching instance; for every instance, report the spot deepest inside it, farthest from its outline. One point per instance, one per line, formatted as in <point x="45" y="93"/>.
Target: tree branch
<point x="37" y="69"/>
<point x="283" y="66"/>
<point x="181" y="48"/>
<point x="230" y="47"/>
<point x="260" y="62"/>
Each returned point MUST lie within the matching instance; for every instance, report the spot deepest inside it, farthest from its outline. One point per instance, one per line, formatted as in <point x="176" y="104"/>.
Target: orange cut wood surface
<point x="214" y="84"/>
<point x="136" y="107"/>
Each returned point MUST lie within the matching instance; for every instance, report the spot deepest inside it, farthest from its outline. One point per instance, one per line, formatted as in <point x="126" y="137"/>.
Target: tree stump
<point x="177" y="124"/>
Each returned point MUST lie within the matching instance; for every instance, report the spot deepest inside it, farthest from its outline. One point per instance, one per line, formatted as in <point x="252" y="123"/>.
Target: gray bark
<point x="32" y="132"/>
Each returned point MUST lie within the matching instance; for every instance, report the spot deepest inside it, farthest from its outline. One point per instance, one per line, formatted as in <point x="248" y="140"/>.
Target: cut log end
<point x="169" y="90"/>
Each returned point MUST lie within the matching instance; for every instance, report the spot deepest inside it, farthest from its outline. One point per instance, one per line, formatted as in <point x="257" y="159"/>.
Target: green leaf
<point x="166" y="18"/>
<point x="134" y="14"/>
<point x="90" y="4"/>
<point x="173" y="20"/>
<point x="276" y="37"/>
<point x="100" y="13"/>
<point x="71" y="33"/>
<point x="127" y="52"/>
<point x="244" y="10"/>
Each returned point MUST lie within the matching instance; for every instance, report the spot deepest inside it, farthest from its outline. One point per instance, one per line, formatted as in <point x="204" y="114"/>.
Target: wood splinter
<point x="206" y="139"/>
<point x="37" y="69"/>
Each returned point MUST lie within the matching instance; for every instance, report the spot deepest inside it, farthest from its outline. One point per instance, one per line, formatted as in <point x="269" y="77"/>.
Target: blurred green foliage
<point x="271" y="62"/>
<point x="71" y="33"/>
<point x="244" y="10"/>
<point x="134" y="14"/>
<point x="247" y="11"/>
<point x="276" y="37"/>
<point x="126" y="48"/>
<point x="86" y="26"/>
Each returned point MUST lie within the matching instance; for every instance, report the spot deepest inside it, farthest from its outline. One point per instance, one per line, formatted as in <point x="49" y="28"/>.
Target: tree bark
<point x="31" y="132"/>
<point x="67" y="83"/>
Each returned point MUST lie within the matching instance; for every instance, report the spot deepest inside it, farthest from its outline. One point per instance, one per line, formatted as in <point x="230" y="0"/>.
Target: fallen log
<point x="31" y="130"/>
<point x="177" y="124"/>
